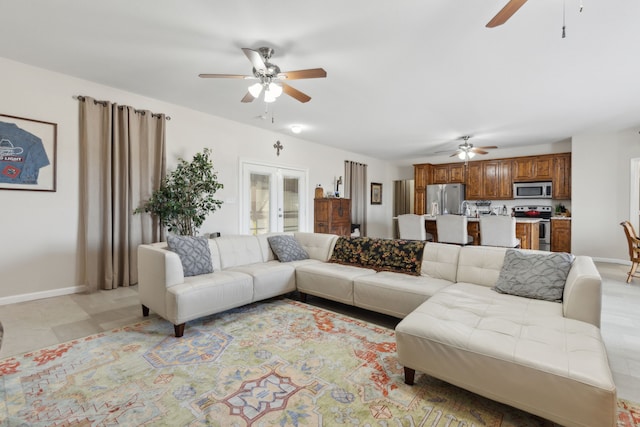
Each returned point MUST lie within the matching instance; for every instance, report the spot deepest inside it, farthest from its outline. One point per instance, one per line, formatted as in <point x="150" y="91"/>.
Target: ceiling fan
<point x="270" y="78"/>
<point x="467" y="151"/>
<point x="505" y="13"/>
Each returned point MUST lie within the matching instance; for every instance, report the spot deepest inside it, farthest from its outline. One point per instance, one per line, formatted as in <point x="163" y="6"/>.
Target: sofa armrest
<point x="582" y="298"/>
<point x="158" y="269"/>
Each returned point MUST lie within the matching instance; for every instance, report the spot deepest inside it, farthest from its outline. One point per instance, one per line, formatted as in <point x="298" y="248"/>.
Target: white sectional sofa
<point x="544" y="357"/>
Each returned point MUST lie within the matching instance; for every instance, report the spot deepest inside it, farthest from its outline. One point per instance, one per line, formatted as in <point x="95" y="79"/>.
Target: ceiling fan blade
<point x="256" y="59"/>
<point x="456" y="153"/>
<point x="225" y="76"/>
<point x="507" y="11"/>
<point x="295" y="93"/>
<point x="248" y="98"/>
<point x="488" y="147"/>
<point x="479" y="151"/>
<point x="312" y="73"/>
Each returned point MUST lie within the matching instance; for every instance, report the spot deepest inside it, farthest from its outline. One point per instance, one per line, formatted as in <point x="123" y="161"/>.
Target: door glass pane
<point x="259" y="204"/>
<point x="291" y="204"/>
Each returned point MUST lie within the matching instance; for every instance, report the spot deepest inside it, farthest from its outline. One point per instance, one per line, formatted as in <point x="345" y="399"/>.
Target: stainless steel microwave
<point x="532" y="190"/>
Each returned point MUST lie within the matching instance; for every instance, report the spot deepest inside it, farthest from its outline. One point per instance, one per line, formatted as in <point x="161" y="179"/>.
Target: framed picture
<point x="376" y="193"/>
<point x="27" y="154"/>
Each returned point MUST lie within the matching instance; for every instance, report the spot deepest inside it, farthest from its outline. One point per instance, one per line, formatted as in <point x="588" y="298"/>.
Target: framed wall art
<point x="376" y="193"/>
<point x="27" y="154"/>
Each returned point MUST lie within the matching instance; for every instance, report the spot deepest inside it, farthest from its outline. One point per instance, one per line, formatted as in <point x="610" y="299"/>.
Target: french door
<point x="273" y="199"/>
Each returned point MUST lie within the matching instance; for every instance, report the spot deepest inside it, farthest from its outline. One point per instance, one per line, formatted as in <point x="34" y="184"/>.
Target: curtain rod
<point x="105" y="103"/>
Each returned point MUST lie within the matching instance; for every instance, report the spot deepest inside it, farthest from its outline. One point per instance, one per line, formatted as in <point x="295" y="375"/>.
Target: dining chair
<point x="634" y="248"/>
<point x="453" y="229"/>
<point x="497" y="230"/>
<point x="412" y="227"/>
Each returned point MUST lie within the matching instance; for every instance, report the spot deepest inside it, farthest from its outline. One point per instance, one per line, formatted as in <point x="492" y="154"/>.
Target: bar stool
<point x="412" y="227"/>
<point x="453" y="229"/>
<point x="498" y="231"/>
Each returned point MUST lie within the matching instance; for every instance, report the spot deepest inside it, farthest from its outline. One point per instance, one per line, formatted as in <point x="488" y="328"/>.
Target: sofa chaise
<point x="544" y="357"/>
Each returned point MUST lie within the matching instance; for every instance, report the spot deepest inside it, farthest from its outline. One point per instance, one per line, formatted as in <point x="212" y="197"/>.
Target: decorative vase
<point x="319" y="192"/>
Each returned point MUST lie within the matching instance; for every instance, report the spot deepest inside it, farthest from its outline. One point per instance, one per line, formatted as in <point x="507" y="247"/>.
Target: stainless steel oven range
<point x="544" y="214"/>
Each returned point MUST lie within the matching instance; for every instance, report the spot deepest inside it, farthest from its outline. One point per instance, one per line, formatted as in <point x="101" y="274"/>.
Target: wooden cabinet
<point x="560" y="235"/>
<point x="536" y="168"/>
<point x="332" y="216"/>
<point x="529" y="234"/>
<point x="493" y="179"/>
<point x="450" y="173"/>
<point x="490" y="179"/>
<point x="562" y="176"/>
<point x="474" y="189"/>
<point x="420" y="179"/>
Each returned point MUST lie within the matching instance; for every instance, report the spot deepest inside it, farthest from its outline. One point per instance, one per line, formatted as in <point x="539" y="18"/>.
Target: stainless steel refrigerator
<point x="444" y="198"/>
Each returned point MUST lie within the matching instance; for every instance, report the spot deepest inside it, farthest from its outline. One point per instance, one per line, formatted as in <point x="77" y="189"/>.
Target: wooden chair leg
<point x="409" y="375"/>
<point x="632" y="272"/>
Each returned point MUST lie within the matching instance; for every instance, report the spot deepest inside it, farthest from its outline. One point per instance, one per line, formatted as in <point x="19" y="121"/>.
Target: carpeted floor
<point x="276" y="363"/>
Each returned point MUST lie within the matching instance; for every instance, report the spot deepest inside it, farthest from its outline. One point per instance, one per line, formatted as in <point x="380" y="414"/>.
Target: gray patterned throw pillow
<point x="534" y="275"/>
<point x="286" y="248"/>
<point x="194" y="254"/>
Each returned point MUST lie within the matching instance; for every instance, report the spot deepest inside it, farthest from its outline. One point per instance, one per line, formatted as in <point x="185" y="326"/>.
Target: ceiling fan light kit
<point x="270" y="78"/>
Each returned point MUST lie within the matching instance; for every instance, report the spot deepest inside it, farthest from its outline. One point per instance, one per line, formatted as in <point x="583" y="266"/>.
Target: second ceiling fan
<point x="270" y="78"/>
<point x="505" y="13"/>
<point x="466" y="150"/>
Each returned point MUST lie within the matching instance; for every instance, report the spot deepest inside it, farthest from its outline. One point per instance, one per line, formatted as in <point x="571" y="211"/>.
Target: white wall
<point x="600" y="192"/>
<point x="38" y="255"/>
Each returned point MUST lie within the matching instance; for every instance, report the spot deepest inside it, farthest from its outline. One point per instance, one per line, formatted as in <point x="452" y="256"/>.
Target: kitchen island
<point x="527" y="230"/>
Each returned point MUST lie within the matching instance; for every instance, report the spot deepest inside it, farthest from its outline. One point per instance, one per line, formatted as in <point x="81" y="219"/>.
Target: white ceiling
<point x="404" y="78"/>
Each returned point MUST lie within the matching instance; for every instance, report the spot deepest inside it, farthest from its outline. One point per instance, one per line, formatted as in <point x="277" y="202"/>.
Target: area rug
<point x="276" y="363"/>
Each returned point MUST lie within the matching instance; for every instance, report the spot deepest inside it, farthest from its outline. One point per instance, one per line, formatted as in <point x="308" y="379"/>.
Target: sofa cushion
<point x="534" y="275"/>
<point x="287" y="249"/>
<point x="440" y="261"/>
<point x="401" y="256"/>
<point x="194" y="254"/>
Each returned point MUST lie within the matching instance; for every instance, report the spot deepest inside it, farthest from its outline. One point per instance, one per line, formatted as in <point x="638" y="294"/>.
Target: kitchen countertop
<point x="561" y="217"/>
<point x="474" y="219"/>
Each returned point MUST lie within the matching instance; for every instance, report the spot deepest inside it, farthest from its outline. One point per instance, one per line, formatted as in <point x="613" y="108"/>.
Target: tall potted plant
<point x="186" y="195"/>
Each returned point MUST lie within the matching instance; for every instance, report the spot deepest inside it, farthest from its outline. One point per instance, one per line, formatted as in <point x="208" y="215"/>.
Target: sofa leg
<point x="145" y="310"/>
<point x="303" y="297"/>
<point x="179" y="330"/>
<point x="409" y="375"/>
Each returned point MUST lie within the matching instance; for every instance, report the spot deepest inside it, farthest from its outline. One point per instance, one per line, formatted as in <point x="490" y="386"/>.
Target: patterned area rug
<point x="276" y="363"/>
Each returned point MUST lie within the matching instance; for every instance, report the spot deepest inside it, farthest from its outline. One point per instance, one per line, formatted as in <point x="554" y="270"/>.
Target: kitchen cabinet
<point x="489" y="179"/>
<point x="420" y="179"/>
<point x="562" y="176"/>
<point x="534" y="168"/>
<point x="529" y="234"/>
<point x="448" y="173"/>
<point x="332" y="216"/>
<point x="560" y="235"/>
<point x="475" y="181"/>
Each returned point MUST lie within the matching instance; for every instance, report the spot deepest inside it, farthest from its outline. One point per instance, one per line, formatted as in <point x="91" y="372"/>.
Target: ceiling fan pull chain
<point x="564" y="33"/>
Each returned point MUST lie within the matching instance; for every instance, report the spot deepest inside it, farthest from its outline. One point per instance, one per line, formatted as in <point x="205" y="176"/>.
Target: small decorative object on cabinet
<point x="332" y="216"/>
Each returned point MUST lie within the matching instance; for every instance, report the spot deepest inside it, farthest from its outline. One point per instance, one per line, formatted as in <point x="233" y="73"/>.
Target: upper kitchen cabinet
<point x="562" y="176"/>
<point x="537" y="168"/>
<point x="489" y="179"/>
<point x="449" y="173"/>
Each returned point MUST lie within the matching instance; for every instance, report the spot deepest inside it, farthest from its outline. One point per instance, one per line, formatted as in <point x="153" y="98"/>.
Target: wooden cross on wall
<point x="278" y="147"/>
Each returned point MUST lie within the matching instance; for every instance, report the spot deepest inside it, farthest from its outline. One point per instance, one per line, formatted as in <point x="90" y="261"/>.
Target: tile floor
<point x="36" y="324"/>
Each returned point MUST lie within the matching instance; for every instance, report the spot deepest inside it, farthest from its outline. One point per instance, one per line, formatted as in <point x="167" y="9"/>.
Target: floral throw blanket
<point x="400" y="256"/>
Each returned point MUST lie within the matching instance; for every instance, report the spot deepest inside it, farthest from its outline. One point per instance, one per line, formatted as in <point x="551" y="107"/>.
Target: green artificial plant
<point x="186" y="195"/>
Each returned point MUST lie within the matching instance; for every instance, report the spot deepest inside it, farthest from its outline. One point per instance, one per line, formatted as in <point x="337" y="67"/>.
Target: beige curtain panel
<point x="122" y="161"/>
<point x="355" y="188"/>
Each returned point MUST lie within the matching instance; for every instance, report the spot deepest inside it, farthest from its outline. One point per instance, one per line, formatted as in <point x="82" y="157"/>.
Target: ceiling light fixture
<point x="465" y="155"/>
<point x="296" y="128"/>
<point x="271" y="90"/>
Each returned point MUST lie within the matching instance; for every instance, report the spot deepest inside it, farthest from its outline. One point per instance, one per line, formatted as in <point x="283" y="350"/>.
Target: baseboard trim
<point x="41" y="295"/>
<point x="612" y="260"/>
